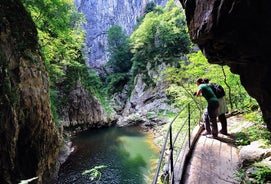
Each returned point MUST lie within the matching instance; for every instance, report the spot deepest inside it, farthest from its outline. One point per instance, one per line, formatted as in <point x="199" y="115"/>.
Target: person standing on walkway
<point x="222" y="109"/>
<point x="206" y="91"/>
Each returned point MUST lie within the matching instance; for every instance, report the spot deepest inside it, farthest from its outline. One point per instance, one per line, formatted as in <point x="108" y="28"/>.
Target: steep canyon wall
<point x="29" y="141"/>
<point x="103" y="14"/>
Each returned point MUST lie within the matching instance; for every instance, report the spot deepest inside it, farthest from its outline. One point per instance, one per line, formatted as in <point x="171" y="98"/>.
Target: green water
<point x="129" y="156"/>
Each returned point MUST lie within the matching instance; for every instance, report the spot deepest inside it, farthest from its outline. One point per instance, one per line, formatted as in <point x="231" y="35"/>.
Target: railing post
<point x="171" y="155"/>
<point x="189" y="127"/>
<point x="170" y="175"/>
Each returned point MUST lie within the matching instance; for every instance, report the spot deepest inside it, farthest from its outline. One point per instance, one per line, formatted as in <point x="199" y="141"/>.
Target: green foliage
<point x="118" y="46"/>
<point x="149" y="7"/>
<point x="161" y="36"/>
<point x="255" y="116"/>
<point x="87" y="77"/>
<point x="240" y="174"/>
<point x="115" y="82"/>
<point x="256" y="132"/>
<point x="80" y="72"/>
<point x="94" y="173"/>
<point x="61" y="39"/>
<point x="242" y="138"/>
<point x="262" y="174"/>
<point x="60" y="35"/>
<point x="195" y="65"/>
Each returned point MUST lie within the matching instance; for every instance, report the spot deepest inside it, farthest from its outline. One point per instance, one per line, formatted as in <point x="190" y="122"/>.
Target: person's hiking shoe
<point x="223" y="132"/>
<point x="211" y="136"/>
<point x="214" y="133"/>
<point x="205" y="133"/>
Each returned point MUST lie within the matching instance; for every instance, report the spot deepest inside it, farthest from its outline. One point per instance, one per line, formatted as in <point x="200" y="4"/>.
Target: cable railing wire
<point x="169" y="162"/>
<point x="164" y="146"/>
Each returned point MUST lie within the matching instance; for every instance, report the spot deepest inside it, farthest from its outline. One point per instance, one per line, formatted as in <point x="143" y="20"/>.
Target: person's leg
<point x="223" y="120"/>
<point x="212" y="113"/>
<point x="222" y="109"/>
<point x="206" y="122"/>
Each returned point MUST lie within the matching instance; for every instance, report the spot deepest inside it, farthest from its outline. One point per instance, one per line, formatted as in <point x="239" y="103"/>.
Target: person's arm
<point x="198" y="92"/>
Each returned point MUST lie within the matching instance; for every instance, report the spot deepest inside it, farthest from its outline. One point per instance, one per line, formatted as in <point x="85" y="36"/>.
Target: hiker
<point x="222" y="109"/>
<point x="212" y="107"/>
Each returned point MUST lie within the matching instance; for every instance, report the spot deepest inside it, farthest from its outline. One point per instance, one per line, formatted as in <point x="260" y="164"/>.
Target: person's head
<point x="199" y="81"/>
<point x="206" y="81"/>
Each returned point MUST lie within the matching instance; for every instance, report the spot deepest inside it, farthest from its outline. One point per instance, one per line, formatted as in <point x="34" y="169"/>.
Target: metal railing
<point x="176" y="147"/>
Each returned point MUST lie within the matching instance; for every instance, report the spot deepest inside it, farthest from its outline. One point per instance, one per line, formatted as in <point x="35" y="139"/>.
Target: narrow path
<point x="214" y="161"/>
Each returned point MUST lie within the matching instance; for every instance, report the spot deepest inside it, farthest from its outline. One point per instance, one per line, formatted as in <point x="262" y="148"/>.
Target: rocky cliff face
<point x="84" y="111"/>
<point x="145" y="102"/>
<point x="103" y="14"/>
<point x="236" y="33"/>
<point x="29" y="142"/>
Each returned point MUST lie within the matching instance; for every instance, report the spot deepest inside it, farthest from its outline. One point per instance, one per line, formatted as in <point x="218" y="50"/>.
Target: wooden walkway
<point x="213" y="161"/>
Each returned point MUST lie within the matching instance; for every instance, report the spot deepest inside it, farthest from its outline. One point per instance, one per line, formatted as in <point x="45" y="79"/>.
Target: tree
<point x="196" y="65"/>
<point x="161" y="37"/>
<point x="60" y="34"/>
<point x="62" y="41"/>
<point x="118" y="46"/>
<point x="149" y="7"/>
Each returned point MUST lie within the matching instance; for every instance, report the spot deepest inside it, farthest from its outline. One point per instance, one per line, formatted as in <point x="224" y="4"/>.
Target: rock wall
<point x="236" y="33"/>
<point x="145" y="102"/>
<point x="103" y="14"/>
<point x="84" y="111"/>
<point x="29" y="141"/>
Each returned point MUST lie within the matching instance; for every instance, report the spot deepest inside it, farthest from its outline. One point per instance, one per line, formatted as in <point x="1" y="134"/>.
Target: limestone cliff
<point x="28" y="137"/>
<point x="103" y="14"/>
<point x="84" y="111"/>
<point x="236" y="33"/>
<point x="146" y="101"/>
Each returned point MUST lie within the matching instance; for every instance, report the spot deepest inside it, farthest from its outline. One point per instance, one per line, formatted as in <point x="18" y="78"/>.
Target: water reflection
<point x="125" y="151"/>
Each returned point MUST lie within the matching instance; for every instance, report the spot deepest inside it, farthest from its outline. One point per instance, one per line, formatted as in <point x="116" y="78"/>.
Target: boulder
<point x="254" y="152"/>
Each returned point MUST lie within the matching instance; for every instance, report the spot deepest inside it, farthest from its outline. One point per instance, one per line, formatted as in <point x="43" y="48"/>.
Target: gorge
<point x="101" y="15"/>
<point x="229" y="32"/>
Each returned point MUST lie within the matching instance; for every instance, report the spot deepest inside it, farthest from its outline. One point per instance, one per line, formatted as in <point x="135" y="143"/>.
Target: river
<point x="120" y="155"/>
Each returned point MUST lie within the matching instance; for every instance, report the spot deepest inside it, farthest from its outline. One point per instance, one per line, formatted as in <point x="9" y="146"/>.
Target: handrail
<point x="164" y="148"/>
<point x="168" y="171"/>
